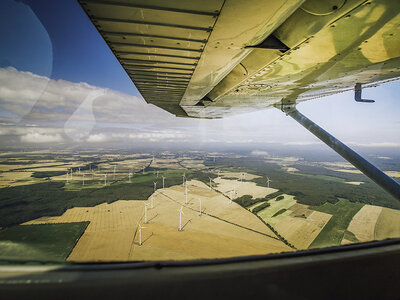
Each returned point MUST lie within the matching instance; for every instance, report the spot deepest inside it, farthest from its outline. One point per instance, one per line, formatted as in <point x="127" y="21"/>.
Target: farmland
<point x="98" y="199"/>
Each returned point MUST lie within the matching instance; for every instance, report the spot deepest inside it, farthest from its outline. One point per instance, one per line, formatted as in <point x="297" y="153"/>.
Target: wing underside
<point x="212" y="58"/>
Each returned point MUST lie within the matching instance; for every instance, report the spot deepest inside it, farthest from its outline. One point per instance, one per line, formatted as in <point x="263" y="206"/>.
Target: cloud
<point x="96" y="138"/>
<point x="56" y="111"/>
<point x="259" y="153"/>
<point x="376" y="145"/>
<point x="41" y="138"/>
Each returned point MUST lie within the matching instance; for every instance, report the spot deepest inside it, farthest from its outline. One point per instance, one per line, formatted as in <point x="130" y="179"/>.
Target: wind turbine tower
<point x="105" y="179"/>
<point x="163" y="181"/>
<point x="200" y="208"/>
<point x="155" y="185"/>
<point x="114" y="174"/>
<point x="180" y="218"/>
<point x="186" y="193"/>
<point x="140" y="233"/>
<point x="183" y="178"/>
<point x="210" y="182"/>
<point x="83" y="179"/>
<point x="157" y="173"/>
<point x="79" y="170"/>
<point x="130" y="175"/>
<point x="145" y="212"/>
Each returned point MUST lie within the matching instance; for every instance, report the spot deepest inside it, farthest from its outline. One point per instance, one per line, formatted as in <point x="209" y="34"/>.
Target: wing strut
<point x="380" y="178"/>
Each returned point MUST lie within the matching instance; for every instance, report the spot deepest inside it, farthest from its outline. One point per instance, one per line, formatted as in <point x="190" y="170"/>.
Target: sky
<point x="60" y="85"/>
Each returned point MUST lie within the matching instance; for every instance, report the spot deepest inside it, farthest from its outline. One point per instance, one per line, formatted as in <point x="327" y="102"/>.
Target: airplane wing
<point x="211" y="58"/>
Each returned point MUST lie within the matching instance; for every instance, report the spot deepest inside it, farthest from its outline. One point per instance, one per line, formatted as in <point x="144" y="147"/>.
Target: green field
<point x="44" y="242"/>
<point x="311" y="185"/>
<point x="51" y="198"/>
<point x="342" y="212"/>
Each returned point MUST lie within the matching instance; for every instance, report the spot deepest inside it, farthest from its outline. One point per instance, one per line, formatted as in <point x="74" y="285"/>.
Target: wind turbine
<point x="163" y="180"/>
<point x="130" y="175"/>
<point x="200" y="207"/>
<point x="183" y="178"/>
<point x="67" y="176"/>
<point x="140" y="233"/>
<point x="155" y="185"/>
<point x="180" y="218"/>
<point x="210" y="182"/>
<point x="83" y="179"/>
<point x="145" y="212"/>
<point x="79" y="170"/>
<point x="114" y="174"/>
<point x="186" y="193"/>
<point x="268" y="181"/>
<point x="105" y="179"/>
<point x="157" y="173"/>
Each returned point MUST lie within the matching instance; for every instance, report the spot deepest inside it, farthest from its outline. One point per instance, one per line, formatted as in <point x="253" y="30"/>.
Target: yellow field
<point x="12" y="178"/>
<point x="246" y="176"/>
<point x="298" y="224"/>
<point x="363" y="223"/>
<point x="291" y="169"/>
<point x="353" y="171"/>
<point x="388" y="224"/>
<point x="242" y="188"/>
<point x="355" y="182"/>
<point x="393" y="173"/>
<point x="223" y="230"/>
<point x="193" y="164"/>
<point x="5" y="168"/>
<point x="167" y="163"/>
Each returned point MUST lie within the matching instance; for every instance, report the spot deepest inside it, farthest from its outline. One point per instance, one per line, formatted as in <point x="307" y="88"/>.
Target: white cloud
<point x="62" y="111"/>
<point x="376" y="145"/>
<point x="97" y="138"/>
<point x="259" y="153"/>
<point x="41" y="138"/>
